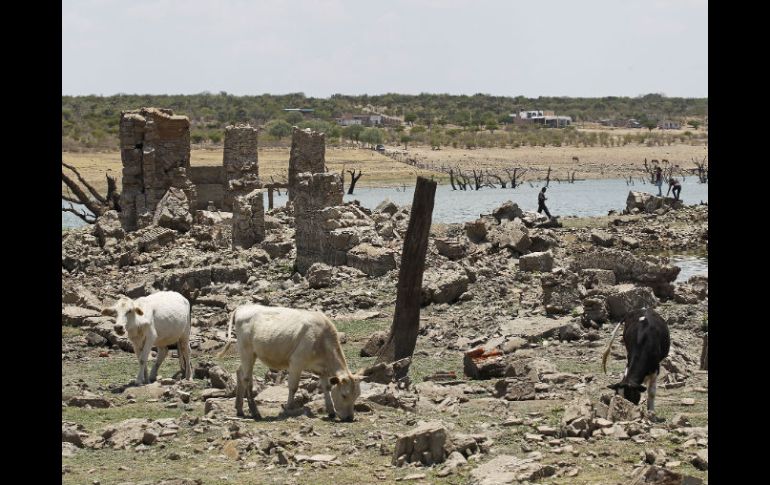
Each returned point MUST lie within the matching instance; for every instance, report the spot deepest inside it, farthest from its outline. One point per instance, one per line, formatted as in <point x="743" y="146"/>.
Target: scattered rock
<point x="542" y="262"/>
<point x="374" y="344"/>
<point x="424" y="444"/>
<point x="621" y="409"/>
<point x="319" y="275"/>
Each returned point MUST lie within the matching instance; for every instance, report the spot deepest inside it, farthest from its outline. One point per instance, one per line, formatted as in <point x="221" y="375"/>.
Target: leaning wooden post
<point x="406" y="319"/>
<point x="704" y="355"/>
<point x="269" y="197"/>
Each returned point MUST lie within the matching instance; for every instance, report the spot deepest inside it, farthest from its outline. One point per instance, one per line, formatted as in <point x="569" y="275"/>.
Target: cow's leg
<point x="246" y="381"/>
<point x="652" y="387"/>
<point x="239" y="390"/>
<point x="185" y="364"/>
<point x="327" y="397"/>
<point x="162" y="352"/>
<point x="295" y="371"/>
<point x="144" y="355"/>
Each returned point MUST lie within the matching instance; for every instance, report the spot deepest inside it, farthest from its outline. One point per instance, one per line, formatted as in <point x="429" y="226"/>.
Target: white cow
<point x="157" y="320"/>
<point x="297" y="340"/>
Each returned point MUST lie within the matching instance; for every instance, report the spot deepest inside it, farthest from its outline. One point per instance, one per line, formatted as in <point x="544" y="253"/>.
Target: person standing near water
<point x="659" y="180"/>
<point x="541" y="198"/>
<point x="674" y="184"/>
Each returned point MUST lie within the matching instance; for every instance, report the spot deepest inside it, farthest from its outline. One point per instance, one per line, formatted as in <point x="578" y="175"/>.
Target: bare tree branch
<point x="93" y="191"/>
<point x="81" y="214"/>
<point x="83" y="198"/>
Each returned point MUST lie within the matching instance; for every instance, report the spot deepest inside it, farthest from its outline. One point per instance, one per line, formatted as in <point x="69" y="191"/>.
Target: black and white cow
<point x="647" y="342"/>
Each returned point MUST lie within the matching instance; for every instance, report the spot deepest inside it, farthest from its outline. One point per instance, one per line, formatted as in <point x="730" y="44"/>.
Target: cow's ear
<point x="616" y="386"/>
<point x="139" y="310"/>
<point x="334" y="380"/>
<point x="642" y="388"/>
<point x="110" y="312"/>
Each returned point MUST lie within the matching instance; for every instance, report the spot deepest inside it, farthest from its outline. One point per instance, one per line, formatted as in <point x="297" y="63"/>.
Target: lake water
<point x="583" y="198"/>
<point x="691" y="266"/>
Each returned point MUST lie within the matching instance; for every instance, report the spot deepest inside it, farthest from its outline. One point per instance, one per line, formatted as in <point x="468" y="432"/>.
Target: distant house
<point x="669" y="125"/>
<point x="547" y="118"/>
<point x="348" y="119"/>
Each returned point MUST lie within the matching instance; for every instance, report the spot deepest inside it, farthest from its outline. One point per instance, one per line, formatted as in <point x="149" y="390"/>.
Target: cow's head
<point x="345" y="390"/>
<point x="130" y="316"/>
<point x="631" y="392"/>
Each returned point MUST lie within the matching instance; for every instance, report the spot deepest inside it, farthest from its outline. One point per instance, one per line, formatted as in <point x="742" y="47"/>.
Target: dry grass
<point x="380" y="170"/>
<point x="377" y="168"/>
<point x="594" y="162"/>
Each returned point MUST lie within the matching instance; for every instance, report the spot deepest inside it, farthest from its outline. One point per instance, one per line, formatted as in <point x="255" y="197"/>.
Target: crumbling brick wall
<point x="210" y="184"/>
<point x="248" y="219"/>
<point x="153" y="142"/>
<point x="240" y="162"/>
<point x="308" y="149"/>
<point x="314" y="193"/>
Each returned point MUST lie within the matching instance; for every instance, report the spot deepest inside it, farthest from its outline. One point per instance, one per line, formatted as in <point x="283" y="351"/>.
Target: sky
<point x="579" y="48"/>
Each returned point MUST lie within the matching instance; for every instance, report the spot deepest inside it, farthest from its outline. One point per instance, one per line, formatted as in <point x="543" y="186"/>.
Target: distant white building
<point x="547" y="118"/>
<point x="367" y="119"/>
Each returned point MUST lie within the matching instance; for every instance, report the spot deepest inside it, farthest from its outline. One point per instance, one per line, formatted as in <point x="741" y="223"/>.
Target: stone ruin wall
<point x="240" y="163"/>
<point x="248" y="219"/>
<point x="312" y="194"/>
<point x="308" y="152"/>
<point x="155" y="151"/>
<point x="153" y="142"/>
<point x="210" y="182"/>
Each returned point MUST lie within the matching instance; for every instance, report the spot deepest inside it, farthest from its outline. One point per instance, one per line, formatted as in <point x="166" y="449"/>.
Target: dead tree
<point x="462" y="180"/>
<point x="452" y="179"/>
<point x="702" y="170"/>
<point x="500" y="181"/>
<point x="477" y="179"/>
<point x="96" y="203"/>
<point x="516" y="177"/>
<point x="353" y="179"/>
<point x="572" y="180"/>
<point x="650" y="169"/>
<point x="548" y="177"/>
<point x="406" y="319"/>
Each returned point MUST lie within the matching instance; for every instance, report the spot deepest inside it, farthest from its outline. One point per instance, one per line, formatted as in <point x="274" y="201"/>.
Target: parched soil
<point x="593" y="162"/>
<point x="184" y="443"/>
<point x="383" y="170"/>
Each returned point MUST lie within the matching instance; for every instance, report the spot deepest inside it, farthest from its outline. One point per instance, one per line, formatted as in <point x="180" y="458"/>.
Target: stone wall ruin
<point x="308" y="149"/>
<point x="314" y="194"/>
<point x="153" y="142"/>
<point x="240" y="163"/>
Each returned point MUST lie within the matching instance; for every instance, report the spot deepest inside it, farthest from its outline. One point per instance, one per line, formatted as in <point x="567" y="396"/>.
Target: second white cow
<point x="297" y="340"/>
<point x="157" y="320"/>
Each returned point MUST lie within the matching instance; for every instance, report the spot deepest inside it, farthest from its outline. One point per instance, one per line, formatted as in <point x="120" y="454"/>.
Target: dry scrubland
<point x="382" y="170"/>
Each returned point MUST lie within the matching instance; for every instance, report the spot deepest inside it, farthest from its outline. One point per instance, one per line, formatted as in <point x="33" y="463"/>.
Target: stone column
<point x="248" y="219"/>
<point x="314" y="193"/>
<point x="240" y="160"/>
<point x="307" y="155"/>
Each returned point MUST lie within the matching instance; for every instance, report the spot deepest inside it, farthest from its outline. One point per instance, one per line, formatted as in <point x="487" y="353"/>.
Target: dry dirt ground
<point x="382" y="170"/>
<point x="195" y="436"/>
<point x="593" y="162"/>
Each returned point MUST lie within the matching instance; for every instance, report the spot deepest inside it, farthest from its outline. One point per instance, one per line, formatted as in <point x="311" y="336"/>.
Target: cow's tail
<point x="228" y="340"/>
<point x="609" y="346"/>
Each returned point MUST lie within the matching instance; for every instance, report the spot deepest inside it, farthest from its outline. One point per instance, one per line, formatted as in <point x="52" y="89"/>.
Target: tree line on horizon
<point x="92" y="121"/>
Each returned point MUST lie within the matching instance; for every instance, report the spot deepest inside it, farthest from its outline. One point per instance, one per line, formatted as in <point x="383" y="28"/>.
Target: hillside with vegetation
<point x="91" y="122"/>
